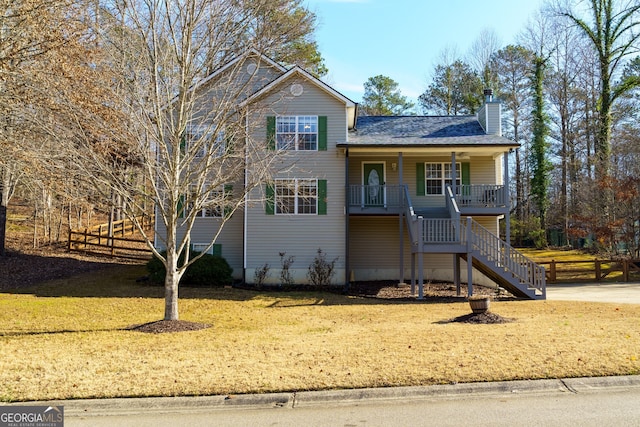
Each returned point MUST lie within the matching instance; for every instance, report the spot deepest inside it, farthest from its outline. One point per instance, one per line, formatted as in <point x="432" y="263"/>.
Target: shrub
<point x="321" y="271"/>
<point x="285" y="275"/>
<point x="260" y="275"/>
<point x="209" y="270"/>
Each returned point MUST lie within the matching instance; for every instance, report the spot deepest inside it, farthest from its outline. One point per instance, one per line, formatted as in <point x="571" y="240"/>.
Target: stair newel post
<point x="469" y="258"/>
<point x="413" y="273"/>
<point x="421" y="225"/>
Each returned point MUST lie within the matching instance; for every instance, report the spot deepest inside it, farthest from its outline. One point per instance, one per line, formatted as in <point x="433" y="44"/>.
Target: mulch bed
<point x="481" y="319"/>
<point x="433" y="292"/>
<point x="163" y="326"/>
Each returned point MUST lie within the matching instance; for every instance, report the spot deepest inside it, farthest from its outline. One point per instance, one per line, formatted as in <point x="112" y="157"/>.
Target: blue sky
<point x="403" y="39"/>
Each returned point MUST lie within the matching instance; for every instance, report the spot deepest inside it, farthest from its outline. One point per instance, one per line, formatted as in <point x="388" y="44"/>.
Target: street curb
<point x="313" y="398"/>
<point x="124" y="406"/>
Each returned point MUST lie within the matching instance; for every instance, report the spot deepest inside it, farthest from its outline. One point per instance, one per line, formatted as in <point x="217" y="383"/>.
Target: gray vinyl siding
<point x="493" y="118"/>
<point x="489" y="117"/>
<point x="300" y="235"/>
<point x="218" y="88"/>
<point x="204" y="229"/>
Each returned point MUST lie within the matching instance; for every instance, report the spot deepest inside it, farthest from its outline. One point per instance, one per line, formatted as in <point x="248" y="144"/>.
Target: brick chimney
<point x="490" y="114"/>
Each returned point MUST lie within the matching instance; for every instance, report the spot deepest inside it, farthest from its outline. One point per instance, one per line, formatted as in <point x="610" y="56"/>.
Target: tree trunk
<point x="3" y="227"/>
<point x="171" y="281"/>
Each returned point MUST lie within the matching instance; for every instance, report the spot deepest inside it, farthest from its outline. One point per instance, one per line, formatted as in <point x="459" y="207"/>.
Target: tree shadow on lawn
<point x="125" y="282"/>
<point x="71" y="277"/>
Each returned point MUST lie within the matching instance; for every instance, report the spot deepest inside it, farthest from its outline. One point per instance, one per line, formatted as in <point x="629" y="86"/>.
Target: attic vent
<point x="296" y="89"/>
<point x="251" y="68"/>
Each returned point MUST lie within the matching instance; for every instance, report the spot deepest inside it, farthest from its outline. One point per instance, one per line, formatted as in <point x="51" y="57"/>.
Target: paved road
<point x="628" y="293"/>
<point x="584" y="402"/>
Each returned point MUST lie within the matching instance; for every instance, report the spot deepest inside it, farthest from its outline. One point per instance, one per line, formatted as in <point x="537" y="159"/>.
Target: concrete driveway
<point x="619" y="293"/>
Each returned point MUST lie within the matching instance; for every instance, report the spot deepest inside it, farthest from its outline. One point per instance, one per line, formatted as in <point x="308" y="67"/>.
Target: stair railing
<point x="505" y="256"/>
<point x="410" y="217"/>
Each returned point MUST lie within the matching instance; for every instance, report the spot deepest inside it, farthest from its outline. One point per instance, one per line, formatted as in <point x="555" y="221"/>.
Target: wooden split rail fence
<point x="98" y="240"/>
<point x="592" y="270"/>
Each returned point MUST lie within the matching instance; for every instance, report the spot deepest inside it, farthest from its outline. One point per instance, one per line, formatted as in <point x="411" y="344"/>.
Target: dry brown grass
<point x="67" y="339"/>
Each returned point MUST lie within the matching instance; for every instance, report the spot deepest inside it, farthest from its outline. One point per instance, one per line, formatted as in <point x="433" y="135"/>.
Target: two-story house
<point x="392" y="198"/>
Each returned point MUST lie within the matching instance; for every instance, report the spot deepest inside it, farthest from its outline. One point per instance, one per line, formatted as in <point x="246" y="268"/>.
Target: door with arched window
<point x="373" y="184"/>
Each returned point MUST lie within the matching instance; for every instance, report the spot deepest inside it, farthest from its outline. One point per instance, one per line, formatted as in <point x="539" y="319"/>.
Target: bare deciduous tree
<point x="184" y="132"/>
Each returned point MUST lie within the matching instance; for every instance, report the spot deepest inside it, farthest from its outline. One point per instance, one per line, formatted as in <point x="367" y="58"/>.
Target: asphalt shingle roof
<point x="422" y="131"/>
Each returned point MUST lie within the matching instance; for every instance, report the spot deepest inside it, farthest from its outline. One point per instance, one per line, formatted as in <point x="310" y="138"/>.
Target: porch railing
<point x="376" y="196"/>
<point x="481" y="195"/>
<point x="436" y="230"/>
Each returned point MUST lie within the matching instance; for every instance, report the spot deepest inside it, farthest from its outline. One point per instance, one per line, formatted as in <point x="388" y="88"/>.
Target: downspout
<point x="246" y="202"/>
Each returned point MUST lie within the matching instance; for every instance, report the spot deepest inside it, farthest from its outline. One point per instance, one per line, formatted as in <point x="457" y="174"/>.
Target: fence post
<point x="625" y="270"/>
<point x="86" y="231"/>
<point x="598" y="270"/>
<point x="69" y="245"/>
<point x="552" y="271"/>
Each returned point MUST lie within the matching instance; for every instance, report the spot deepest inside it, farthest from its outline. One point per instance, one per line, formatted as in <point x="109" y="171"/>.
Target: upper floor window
<point x="297" y="133"/>
<point x="205" y="139"/>
<point x="439" y="175"/>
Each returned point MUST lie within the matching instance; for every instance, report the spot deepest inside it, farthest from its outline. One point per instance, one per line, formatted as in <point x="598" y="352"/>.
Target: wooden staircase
<point x="443" y="231"/>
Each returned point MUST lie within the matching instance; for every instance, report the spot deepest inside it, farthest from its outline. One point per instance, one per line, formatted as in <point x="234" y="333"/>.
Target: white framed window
<point x="296" y="196"/>
<point x="202" y="138"/>
<point x="214" y="204"/>
<point x="215" y="249"/>
<point x="299" y="133"/>
<point x="438" y="175"/>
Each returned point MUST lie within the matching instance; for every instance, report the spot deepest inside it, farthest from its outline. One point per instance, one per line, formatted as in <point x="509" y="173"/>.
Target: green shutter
<point x="216" y="249"/>
<point x="180" y="209"/>
<point x="271" y="133"/>
<point x="322" y="133"/>
<point x="183" y="143"/>
<point x="466" y="176"/>
<point x="270" y="202"/>
<point x="420" y="190"/>
<point x="322" y="197"/>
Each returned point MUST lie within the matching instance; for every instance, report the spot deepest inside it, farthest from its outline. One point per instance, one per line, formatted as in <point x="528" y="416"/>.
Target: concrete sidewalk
<point x="618" y="292"/>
